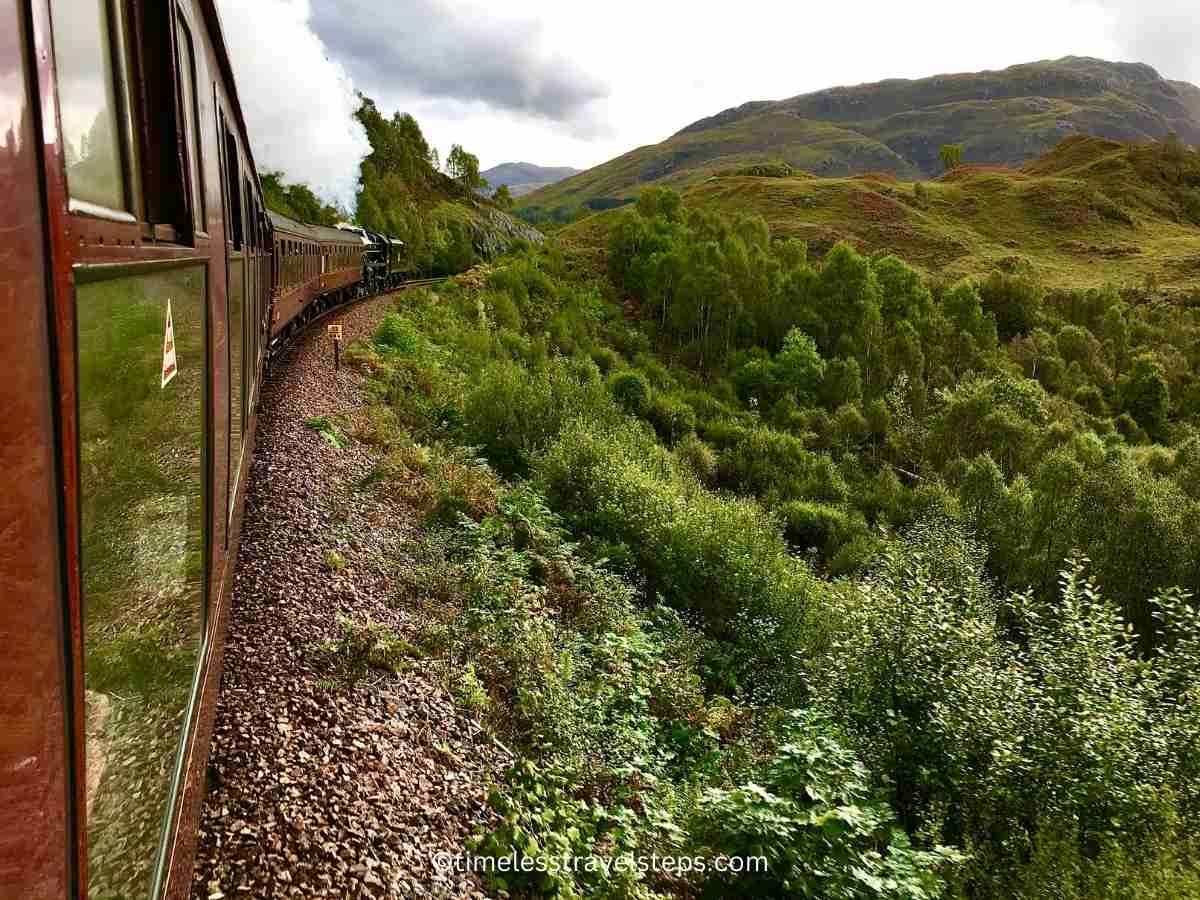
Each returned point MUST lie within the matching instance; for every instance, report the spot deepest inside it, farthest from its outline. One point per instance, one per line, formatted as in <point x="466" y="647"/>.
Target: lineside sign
<point x="169" y="368"/>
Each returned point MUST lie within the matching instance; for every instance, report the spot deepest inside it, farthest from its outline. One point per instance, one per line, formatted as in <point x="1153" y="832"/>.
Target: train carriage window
<point x="191" y="118"/>
<point x="93" y="103"/>
<point x="158" y="123"/>
<point x="248" y="195"/>
<point x="143" y="470"/>
<point x="235" y="309"/>
<point x="123" y="114"/>
<point x="233" y="228"/>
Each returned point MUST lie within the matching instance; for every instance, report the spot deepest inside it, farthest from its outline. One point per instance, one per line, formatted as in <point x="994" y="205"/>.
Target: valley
<point x="787" y="497"/>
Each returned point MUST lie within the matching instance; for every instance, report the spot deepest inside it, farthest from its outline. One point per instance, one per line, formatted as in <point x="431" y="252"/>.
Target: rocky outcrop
<point x="493" y="232"/>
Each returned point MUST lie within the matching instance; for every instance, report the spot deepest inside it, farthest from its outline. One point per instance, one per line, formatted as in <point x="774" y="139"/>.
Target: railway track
<point x="279" y="347"/>
<point x="313" y="774"/>
<point x="423" y="282"/>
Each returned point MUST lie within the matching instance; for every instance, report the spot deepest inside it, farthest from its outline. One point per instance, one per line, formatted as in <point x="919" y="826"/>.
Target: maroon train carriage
<point x="136" y="281"/>
<point x="316" y="268"/>
<point x="142" y="285"/>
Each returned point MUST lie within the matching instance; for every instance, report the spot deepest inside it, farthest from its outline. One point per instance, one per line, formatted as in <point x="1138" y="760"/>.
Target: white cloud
<point x="298" y="103"/>
<point x="453" y="52"/>
<point x="666" y="64"/>
<point x="1162" y="33"/>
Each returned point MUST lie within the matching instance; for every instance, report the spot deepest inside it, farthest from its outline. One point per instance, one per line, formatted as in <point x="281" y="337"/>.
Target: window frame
<point x="188" y="114"/>
<point x="147" y="81"/>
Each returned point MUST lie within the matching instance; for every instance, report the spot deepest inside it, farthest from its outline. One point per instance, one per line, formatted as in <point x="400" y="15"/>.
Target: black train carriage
<point x="386" y="263"/>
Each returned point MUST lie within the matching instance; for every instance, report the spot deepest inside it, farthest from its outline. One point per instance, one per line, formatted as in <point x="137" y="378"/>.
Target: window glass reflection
<point x="88" y="102"/>
<point x="187" y="88"/>
<point x="142" y="456"/>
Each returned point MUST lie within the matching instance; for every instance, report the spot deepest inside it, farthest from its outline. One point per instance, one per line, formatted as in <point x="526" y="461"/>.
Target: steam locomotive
<point x="144" y="287"/>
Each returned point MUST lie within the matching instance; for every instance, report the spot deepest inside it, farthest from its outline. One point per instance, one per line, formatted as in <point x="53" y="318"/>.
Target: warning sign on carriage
<point x="169" y="369"/>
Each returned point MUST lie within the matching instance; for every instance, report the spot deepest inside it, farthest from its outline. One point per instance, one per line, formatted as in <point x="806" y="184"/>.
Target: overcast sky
<point x="561" y="82"/>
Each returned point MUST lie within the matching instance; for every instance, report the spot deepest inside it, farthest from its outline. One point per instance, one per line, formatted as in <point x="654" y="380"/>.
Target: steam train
<point x="343" y="263"/>
<point x="144" y="287"/>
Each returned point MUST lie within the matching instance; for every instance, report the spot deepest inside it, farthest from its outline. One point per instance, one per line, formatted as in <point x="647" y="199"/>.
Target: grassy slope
<point x="1086" y="214"/>
<point x="897" y="126"/>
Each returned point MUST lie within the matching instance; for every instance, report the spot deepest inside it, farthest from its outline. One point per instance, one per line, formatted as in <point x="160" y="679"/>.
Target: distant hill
<point x="523" y="177"/>
<point x="896" y="127"/>
<point x="1087" y="213"/>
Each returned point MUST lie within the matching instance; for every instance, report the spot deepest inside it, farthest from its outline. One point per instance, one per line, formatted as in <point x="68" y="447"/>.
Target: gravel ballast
<point x="320" y="786"/>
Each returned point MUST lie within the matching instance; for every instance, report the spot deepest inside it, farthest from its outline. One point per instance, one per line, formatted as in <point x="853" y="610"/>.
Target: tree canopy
<point x="463" y="167"/>
<point x="503" y="197"/>
<point x="298" y="201"/>
<point x="402" y="194"/>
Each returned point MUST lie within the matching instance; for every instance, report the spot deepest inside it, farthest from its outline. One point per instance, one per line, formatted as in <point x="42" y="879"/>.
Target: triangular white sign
<point x="169" y="369"/>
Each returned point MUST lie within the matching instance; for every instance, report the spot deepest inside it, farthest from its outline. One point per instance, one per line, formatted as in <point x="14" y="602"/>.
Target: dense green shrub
<point x="1015" y="301"/>
<point x="1191" y="205"/>
<point x="769" y="463"/>
<point x="822" y="832"/>
<point x="512" y="412"/>
<point x="826" y="529"/>
<point x="630" y="390"/>
<point x="1146" y="396"/>
<point x="994" y="743"/>
<point x="716" y="556"/>
<point x="671" y="417"/>
<point x="607" y="360"/>
<point x="399" y="335"/>
<point x="699" y="457"/>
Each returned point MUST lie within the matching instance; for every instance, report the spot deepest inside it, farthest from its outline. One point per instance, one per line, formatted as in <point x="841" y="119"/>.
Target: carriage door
<point x="140" y="349"/>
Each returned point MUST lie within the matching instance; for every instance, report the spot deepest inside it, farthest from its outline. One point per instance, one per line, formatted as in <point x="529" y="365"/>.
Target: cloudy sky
<point x="561" y="82"/>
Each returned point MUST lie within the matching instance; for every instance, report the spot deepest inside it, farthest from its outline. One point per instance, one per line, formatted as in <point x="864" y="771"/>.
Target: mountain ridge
<point x="896" y="126"/>
<point x="523" y="177"/>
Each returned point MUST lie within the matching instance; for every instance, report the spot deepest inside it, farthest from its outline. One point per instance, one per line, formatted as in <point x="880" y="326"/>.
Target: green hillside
<point x="1090" y="212"/>
<point x="897" y="126"/>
